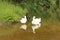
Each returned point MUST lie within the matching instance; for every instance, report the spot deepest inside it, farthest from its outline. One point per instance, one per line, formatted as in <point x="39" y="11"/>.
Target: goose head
<point x="24" y="16"/>
<point x="34" y="17"/>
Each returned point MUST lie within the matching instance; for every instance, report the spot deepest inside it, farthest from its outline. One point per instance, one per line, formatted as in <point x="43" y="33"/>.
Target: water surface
<point x="50" y="31"/>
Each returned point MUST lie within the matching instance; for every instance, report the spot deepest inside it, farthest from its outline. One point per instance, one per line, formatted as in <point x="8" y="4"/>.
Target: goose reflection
<point x="34" y="27"/>
<point x="24" y="27"/>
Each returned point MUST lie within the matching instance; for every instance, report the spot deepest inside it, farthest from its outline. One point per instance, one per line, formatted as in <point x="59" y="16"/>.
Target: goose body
<point x="23" y="20"/>
<point x="36" y="21"/>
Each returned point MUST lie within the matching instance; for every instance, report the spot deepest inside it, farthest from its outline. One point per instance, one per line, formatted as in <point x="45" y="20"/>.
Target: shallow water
<point x="45" y="32"/>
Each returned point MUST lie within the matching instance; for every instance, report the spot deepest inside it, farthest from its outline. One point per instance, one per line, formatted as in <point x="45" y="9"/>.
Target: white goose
<point x="23" y="20"/>
<point x="36" y="21"/>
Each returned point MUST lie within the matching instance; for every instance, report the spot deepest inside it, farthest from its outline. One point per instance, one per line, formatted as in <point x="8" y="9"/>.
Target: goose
<point x="36" y="21"/>
<point x="34" y="27"/>
<point x="23" y="20"/>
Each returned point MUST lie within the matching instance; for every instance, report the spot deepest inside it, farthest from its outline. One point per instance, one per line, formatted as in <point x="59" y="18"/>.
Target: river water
<point x="14" y="32"/>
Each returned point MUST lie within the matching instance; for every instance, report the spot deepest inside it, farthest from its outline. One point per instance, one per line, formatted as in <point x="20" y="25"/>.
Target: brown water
<point x="50" y="31"/>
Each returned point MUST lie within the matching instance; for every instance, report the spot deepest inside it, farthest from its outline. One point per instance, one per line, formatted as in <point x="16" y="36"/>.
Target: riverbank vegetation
<point x="12" y="10"/>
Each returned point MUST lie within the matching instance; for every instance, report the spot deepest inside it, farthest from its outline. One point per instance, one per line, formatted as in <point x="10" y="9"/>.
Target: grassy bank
<point x="10" y="12"/>
<point x="45" y="9"/>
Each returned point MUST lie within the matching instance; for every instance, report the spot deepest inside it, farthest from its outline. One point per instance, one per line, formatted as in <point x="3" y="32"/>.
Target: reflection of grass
<point x="10" y="12"/>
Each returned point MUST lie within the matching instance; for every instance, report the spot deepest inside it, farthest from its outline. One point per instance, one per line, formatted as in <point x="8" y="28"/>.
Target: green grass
<point x="10" y="12"/>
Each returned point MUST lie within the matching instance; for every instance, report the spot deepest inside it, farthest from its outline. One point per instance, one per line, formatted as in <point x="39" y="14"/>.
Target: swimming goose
<point x="23" y="20"/>
<point x="36" y="21"/>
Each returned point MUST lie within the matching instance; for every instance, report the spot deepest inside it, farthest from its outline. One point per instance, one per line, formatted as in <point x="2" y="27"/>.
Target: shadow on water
<point x="13" y="32"/>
